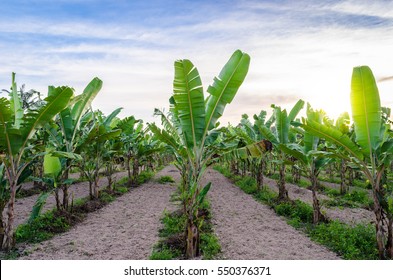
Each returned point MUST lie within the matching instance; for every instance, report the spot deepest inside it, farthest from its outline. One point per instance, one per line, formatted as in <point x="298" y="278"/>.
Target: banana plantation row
<point x="46" y="140"/>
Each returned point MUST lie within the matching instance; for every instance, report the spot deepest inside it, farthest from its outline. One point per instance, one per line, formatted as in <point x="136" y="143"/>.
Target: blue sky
<point x="299" y="49"/>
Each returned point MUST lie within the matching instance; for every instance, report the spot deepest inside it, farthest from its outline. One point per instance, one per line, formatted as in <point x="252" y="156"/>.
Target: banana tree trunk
<point x="128" y="160"/>
<point x="2" y="226"/>
<point x="389" y="244"/>
<point x="282" y="191"/>
<point x="109" y="173"/>
<point x="343" y="185"/>
<point x="96" y="179"/>
<point x="135" y="171"/>
<point x="64" y="187"/>
<point x="57" y="197"/>
<point x="317" y="215"/>
<point x="8" y="241"/>
<point x="91" y="189"/>
<point x="192" y="241"/>
<point x="260" y="169"/>
<point x="350" y="176"/>
<point x="379" y="218"/>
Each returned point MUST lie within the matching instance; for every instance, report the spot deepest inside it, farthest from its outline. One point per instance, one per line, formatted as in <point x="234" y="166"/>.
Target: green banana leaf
<point x="225" y="87"/>
<point x="52" y="166"/>
<point x="295" y="110"/>
<point x="5" y="118"/>
<point x="71" y="117"/>
<point x="38" y="205"/>
<point x="189" y="101"/>
<point x="295" y="152"/>
<point x="108" y="120"/>
<point x="366" y="109"/>
<point x="16" y="105"/>
<point x="335" y="136"/>
<point x="268" y="134"/>
<point x="282" y="125"/>
<point x="35" y="118"/>
<point x="311" y="140"/>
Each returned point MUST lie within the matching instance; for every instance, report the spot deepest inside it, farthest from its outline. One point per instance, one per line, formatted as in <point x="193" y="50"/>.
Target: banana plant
<point x="131" y="135"/>
<point x="280" y="136"/>
<point x="250" y="139"/>
<point x="16" y="129"/>
<point x="91" y="146"/>
<point x="65" y="138"/>
<point x="310" y="159"/>
<point x="371" y="150"/>
<point x="343" y="125"/>
<point x="191" y="128"/>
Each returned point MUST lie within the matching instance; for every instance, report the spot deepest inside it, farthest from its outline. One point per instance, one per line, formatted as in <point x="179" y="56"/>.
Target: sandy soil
<point x="125" y="229"/>
<point x="24" y="206"/>
<point x="346" y="215"/>
<point x="248" y="229"/>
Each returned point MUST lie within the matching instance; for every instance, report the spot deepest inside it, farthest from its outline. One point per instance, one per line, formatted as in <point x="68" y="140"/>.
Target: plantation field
<point x="251" y="230"/>
<point x="125" y="229"/>
<point x="296" y="188"/>
<point x="128" y="227"/>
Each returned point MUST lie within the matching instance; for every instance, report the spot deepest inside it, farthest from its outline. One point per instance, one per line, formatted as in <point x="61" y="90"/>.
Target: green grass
<point x="174" y="223"/>
<point x="144" y="176"/>
<point x="164" y="253"/>
<point x="210" y="246"/>
<point x="120" y="189"/>
<point x="354" y="199"/>
<point x="106" y="197"/>
<point x="166" y="179"/>
<point x="350" y="242"/>
<point x="42" y="228"/>
<point x="172" y="245"/>
<point x="295" y="210"/>
<point x="247" y="184"/>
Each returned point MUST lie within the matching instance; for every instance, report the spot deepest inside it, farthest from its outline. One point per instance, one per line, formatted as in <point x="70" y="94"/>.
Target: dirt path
<point x="23" y="206"/>
<point x="248" y="229"/>
<point x="125" y="229"/>
<point x="346" y="215"/>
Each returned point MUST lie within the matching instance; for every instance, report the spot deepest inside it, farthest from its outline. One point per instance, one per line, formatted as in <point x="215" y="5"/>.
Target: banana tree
<point x="91" y="146"/>
<point x="16" y="129"/>
<point x="131" y="135"/>
<point x="280" y="137"/>
<point x="192" y="128"/>
<point x="343" y="125"/>
<point x="371" y="150"/>
<point x="65" y="138"/>
<point x="311" y="161"/>
<point x="248" y="134"/>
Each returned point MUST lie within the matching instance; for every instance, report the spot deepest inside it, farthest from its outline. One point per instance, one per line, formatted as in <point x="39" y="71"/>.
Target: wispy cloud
<point x="299" y="50"/>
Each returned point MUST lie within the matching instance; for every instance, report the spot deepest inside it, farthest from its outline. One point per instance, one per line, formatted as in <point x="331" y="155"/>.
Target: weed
<point x="106" y="197"/>
<point x="164" y="253"/>
<point x="353" y="243"/>
<point x="121" y="189"/>
<point x="42" y="228"/>
<point x="144" y="176"/>
<point x="210" y="246"/>
<point x="166" y="179"/>
<point x="298" y="210"/>
<point x="247" y="184"/>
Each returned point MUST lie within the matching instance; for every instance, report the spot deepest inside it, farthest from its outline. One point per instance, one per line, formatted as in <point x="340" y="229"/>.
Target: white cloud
<point x="288" y="61"/>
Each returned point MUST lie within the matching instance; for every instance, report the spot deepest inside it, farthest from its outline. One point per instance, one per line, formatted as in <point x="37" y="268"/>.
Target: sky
<point x="299" y="49"/>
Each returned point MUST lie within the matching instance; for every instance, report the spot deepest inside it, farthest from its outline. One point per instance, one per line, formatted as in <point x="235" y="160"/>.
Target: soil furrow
<point x="249" y="230"/>
<point x="23" y="206"/>
<point x="125" y="229"/>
